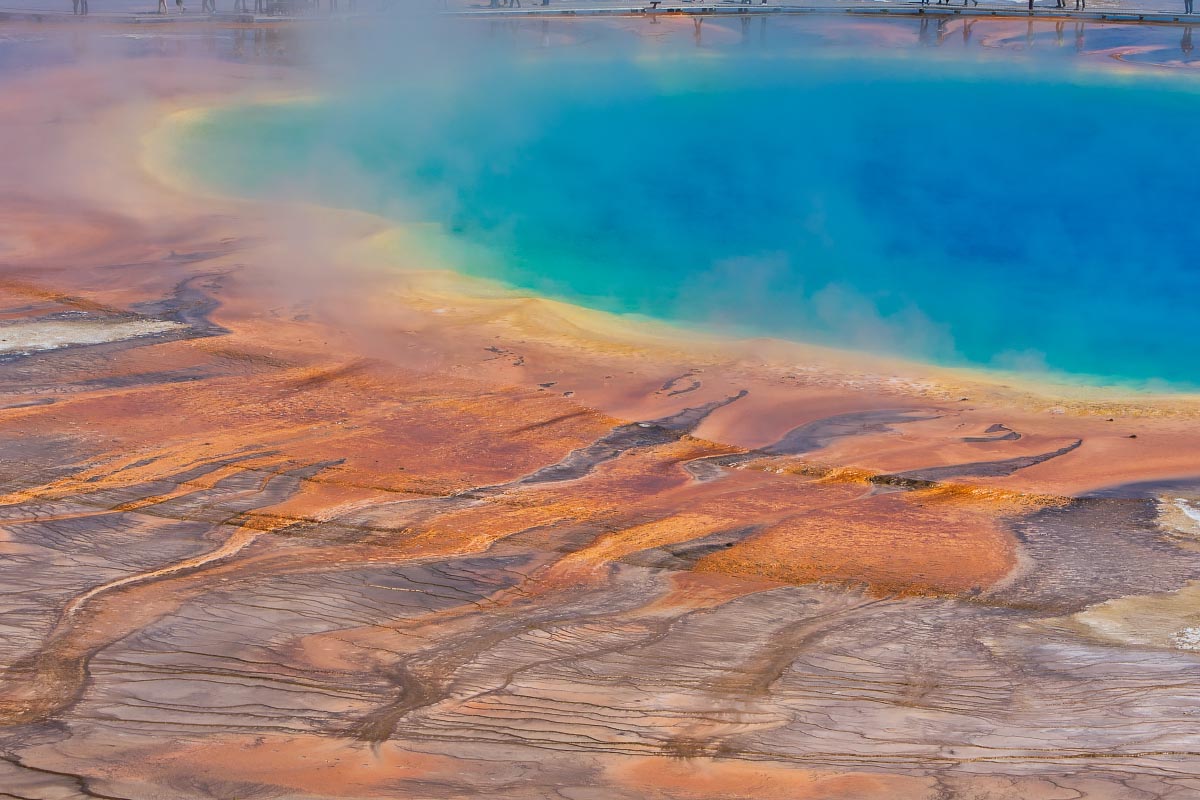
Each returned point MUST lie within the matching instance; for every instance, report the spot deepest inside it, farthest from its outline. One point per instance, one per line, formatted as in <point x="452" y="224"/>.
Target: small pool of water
<point x="1009" y="213"/>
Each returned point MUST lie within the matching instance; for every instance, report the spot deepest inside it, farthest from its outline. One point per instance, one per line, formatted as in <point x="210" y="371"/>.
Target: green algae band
<point x="1005" y="213"/>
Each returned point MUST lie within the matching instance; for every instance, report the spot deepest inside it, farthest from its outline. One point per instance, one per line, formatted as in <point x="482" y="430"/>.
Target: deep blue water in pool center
<point x="988" y="213"/>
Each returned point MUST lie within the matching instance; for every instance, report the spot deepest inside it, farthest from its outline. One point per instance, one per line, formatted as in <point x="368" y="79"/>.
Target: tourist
<point x="74" y="6"/>
<point x="1187" y="6"/>
<point x="179" y="5"/>
<point x="162" y="6"/>
<point x="1081" y="5"/>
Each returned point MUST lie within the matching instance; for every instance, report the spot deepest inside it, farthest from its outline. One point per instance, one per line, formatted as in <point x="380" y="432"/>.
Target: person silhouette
<point x="1187" y="6"/>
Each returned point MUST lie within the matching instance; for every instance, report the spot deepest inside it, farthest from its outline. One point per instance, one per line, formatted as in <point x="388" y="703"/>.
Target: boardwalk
<point x="1168" y="11"/>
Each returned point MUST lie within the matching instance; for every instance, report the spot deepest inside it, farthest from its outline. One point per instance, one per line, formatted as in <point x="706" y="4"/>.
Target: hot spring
<point x="1004" y="212"/>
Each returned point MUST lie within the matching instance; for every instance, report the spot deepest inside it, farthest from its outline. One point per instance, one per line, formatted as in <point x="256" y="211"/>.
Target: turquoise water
<point x="1007" y="213"/>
